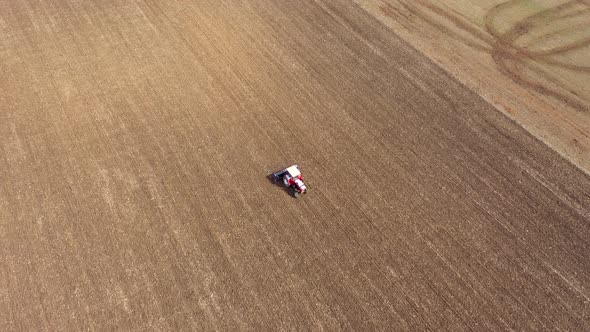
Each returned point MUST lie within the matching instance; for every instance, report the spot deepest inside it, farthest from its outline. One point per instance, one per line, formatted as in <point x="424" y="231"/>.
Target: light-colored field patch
<point x="531" y="59"/>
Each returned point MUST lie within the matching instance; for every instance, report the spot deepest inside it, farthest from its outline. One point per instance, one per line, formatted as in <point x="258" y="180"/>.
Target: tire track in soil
<point x="502" y="46"/>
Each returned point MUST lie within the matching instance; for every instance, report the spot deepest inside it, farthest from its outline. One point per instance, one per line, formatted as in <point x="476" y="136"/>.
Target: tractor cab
<point x="293" y="171"/>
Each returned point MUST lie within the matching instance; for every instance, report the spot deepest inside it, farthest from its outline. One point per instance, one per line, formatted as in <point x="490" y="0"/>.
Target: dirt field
<point x="137" y="136"/>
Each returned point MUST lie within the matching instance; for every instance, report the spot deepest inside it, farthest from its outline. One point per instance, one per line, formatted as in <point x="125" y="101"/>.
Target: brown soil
<point x="137" y="136"/>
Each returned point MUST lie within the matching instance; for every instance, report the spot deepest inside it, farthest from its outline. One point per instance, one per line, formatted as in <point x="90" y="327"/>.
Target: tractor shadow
<point x="279" y="183"/>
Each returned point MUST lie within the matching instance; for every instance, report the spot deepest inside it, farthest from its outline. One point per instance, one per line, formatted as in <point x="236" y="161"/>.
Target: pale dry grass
<point x="531" y="59"/>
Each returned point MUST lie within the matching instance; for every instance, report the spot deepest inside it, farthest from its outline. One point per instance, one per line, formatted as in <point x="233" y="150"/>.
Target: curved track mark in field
<point x="524" y="26"/>
<point x="506" y="50"/>
<point x="511" y="58"/>
<point x="483" y="40"/>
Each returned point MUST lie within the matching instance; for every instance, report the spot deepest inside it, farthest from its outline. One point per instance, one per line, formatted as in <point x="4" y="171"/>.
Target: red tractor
<point x="292" y="179"/>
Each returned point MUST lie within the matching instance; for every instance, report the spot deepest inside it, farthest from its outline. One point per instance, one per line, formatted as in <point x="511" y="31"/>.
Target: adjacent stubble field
<point x="136" y="139"/>
<point x="528" y="58"/>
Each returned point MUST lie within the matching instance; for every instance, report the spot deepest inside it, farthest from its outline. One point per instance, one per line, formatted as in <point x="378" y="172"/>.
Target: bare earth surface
<point x="136" y="139"/>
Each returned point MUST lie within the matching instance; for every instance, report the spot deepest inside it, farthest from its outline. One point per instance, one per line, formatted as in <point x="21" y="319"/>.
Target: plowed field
<point x="137" y="136"/>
